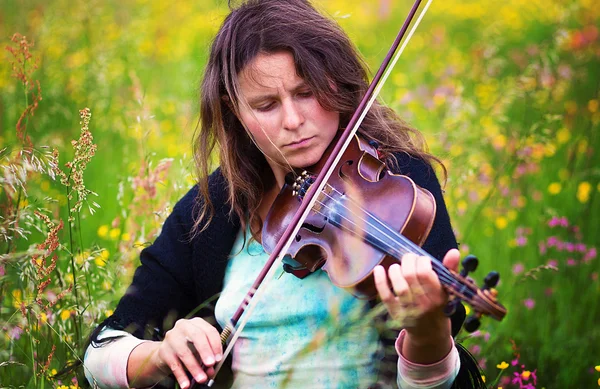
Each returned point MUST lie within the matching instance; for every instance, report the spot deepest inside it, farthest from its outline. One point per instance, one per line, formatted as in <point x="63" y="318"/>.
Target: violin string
<point x="403" y="242"/>
<point x="397" y="238"/>
<point x="443" y="276"/>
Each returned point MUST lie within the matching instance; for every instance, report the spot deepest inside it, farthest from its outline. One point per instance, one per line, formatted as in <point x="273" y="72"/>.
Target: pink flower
<point x="552" y="241"/>
<point x="542" y="247"/>
<point x="518" y="268"/>
<point x="571" y="262"/>
<point x="521" y="241"/>
<point x="569" y="246"/>
<point x="486" y="336"/>
<point x="15" y="333"/>
<point x="581" y="247"/>
<point x="529" y="303"/>
<point x="553" y="262"/>
<point x="2" y="271"/>
<point x="475" y="349"/>
<point x="591" y="254"/>
<point x="514" y="362"/>
<point x="553" y="222"/>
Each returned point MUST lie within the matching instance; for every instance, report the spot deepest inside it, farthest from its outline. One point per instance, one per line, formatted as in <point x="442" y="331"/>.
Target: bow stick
<point x="268" y="271"/>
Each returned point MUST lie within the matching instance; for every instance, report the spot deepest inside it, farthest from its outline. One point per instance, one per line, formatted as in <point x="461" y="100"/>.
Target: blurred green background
<point x="506" y="93"/>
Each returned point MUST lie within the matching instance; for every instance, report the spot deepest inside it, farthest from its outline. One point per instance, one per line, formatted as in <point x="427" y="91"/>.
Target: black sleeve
<point x="162" y="289"/>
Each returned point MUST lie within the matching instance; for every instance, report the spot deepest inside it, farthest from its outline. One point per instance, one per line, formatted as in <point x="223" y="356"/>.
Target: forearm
<point x="142" y="370"/>
<point x="430" y="345"/>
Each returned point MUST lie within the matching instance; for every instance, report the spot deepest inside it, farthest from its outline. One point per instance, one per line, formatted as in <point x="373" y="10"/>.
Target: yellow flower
<point x="63" y="387"/>
<point x="45" y="185"/>
<point x="499" y="141"/>
<point x="483" y="378"/>
<point x="563" y="135"/>
<point x="114" y="233"/>
<point x="501" y="222"/>
<point x="103" y="231"/>
<point x="467" y="310"/>
<point x="512" y="215"/>
<point x="583" y="191"/>
<point x="65" y="314"/>
<point x="44" y="317"/>
<point x="503" y="365"/>
<point x="106" y="285"/>
<point x="525" y="374"/>
<point x="69" y="278"/>
<point x="554" y="188"/>
<point x="593" y="105"/>
<point x="597" y="368"/>
<point x="126" y="237"/>
<point x="461" y="205"/>
<point x="101" y="259"/>
<point x="17" y="298"/>
<point x="108" y="312"/>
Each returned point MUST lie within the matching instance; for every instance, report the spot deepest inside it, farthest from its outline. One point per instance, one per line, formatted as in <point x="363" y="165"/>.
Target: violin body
<point x="335" y="235"/>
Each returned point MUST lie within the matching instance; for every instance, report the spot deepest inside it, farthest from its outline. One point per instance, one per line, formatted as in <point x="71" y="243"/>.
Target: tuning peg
<point x="469" y="264"/>
<point x="491" y="280"/>
<point x="472" y="323"/>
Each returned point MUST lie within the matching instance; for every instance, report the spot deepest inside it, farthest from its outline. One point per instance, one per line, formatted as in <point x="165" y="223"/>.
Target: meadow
<point x="99" y="103"/>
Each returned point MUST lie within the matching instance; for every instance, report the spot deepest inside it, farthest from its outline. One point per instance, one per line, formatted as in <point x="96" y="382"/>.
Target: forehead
<point x="269" y="72"/>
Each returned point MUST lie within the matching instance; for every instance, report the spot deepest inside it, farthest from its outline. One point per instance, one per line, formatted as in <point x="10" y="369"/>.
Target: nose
<point x="292" y="115"/>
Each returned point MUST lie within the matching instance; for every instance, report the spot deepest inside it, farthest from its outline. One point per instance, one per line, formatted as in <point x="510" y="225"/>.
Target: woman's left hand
<point x="413" y="294"/>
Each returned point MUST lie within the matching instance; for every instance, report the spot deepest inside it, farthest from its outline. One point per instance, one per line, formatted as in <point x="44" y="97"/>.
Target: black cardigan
<point x="177" y="274"/>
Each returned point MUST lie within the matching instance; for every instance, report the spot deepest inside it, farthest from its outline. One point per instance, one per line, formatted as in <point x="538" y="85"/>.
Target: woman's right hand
<point x="191" y="345"/>
<point x="188" y="344"/>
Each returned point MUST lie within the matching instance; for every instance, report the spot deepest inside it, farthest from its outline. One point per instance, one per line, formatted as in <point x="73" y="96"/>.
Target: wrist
<point x="144" y="366"/>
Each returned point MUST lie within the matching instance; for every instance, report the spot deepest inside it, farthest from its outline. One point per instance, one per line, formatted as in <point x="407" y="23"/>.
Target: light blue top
<point x="305" y="333"/>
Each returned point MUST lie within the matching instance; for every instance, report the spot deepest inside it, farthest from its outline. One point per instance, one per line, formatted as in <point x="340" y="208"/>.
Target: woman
<point x="280" y="83"/>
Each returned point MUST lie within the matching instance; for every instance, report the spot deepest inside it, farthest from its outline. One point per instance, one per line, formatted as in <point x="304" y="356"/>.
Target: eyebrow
<point x="273" y="96"/>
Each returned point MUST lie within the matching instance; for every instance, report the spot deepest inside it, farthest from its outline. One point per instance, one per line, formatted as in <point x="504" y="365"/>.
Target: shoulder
<point x="418" y="169"/>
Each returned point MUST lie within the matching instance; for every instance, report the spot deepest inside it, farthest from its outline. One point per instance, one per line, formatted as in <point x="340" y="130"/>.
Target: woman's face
<point x="283" y="115"/>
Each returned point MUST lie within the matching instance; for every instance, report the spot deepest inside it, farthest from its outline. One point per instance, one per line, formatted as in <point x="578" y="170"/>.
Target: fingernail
<point x="218" y="357"/>
<point x="200" y="377"/>
<point x="209" y="361"/>
<point x="185" y="385"/>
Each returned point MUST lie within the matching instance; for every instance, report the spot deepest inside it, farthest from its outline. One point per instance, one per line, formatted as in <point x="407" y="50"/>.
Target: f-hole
<point x="341" y="172"/>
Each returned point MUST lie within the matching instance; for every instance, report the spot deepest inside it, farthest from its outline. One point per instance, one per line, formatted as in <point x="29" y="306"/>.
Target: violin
<point x="367" y="216"/>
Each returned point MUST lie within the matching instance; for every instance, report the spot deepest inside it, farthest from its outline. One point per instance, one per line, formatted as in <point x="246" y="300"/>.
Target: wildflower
<point x="518" y="268"/>
<point x="503" y="365"/>
<point x="114" y="233"/>
<point x="65" y="314"/>
<point x="583" y="191"/>
<point x="126" y="237"/>
<point x="102" y="259"/>
<point x="563" y="135"/>
<point x="593" y="105"/>
<point x="529" y="303"/>
<point x="501" y="222"/>
<point x="103" y="231"/>
<point x="597" y="368"/>
<point x="554" y="188"/>
<point x="526" y="374"/>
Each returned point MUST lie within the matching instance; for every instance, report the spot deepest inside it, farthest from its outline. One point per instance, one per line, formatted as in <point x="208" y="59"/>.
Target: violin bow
<point x="232" y="333"/>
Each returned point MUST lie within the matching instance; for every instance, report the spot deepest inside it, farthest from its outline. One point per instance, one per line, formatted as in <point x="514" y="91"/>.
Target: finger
<point x="382" y="285"/>
<point x="170" y="359"/>
<point x="433" y="293"/>
<point x="200" y="341"/>
<point x="451" y="259"/>
<point x="399" y="284"/>
<point x="213" y="336"/>
<point x="410" y="273"/>
<point x="187" y="357"/>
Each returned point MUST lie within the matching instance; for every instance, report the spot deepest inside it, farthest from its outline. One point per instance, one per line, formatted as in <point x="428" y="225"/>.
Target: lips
<point x="299" y="143"/>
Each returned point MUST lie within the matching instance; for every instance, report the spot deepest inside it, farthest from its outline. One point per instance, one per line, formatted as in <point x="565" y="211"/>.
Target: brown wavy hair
<point x="327" y="61"/>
